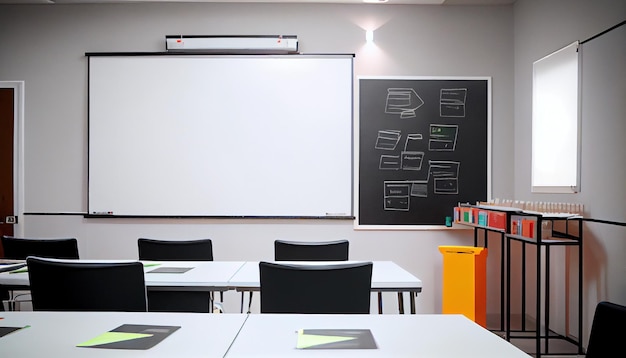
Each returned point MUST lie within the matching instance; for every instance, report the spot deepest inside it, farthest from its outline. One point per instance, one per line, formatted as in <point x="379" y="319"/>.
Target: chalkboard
<point x="423" y="148"/>
<point x="221" y="135"/>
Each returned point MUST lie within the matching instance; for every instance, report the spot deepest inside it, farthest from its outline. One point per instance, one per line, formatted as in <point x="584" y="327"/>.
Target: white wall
<point x="47" y="45"/>
<point x="44" y="45"/>
<point x="542" y="27"/>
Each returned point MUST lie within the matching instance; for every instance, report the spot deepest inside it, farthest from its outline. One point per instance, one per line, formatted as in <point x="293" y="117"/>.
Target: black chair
<point x="342" y="288"/>
<point x="175" y="250"/>
<point x="19" y="248"/>
<point x="285" y="250"/>
<point x="605" y="338"/>
<point x="311" y="251"/>
<point x="72" y="285"/>
<point x="178" y="250"/>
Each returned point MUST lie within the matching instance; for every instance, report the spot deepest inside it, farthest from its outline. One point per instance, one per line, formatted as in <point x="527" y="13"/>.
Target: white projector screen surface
<point x="233" y="136"/>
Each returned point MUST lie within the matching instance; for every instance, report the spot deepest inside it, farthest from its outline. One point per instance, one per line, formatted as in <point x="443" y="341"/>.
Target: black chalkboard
<point x="423" y="148"/>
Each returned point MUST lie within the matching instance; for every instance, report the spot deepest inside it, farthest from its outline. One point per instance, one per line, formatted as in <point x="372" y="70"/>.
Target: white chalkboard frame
<point x="233" y="136"/>
<point x="358" y="224"/>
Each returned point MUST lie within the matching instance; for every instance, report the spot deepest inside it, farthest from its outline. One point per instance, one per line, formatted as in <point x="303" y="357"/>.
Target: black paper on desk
<point x="6" y="330"/>
<point x="335" y="339"/>
<point x="131" y="336"/>
<point x="170" y="270"/>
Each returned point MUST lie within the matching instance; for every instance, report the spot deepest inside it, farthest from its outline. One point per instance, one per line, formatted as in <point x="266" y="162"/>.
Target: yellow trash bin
<point x="464" y="286"/>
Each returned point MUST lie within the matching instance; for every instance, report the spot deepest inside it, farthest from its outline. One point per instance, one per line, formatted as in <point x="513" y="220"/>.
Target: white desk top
<point x="240" y="275"/>
<point x="433" y="336"/>
<point x="56" y="334"/>
<point x="386" y="276"/>
<point x="204" y="275"/>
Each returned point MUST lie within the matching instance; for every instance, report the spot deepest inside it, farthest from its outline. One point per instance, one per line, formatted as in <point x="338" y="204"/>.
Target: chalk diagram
<point x="409" y="154"/>
<point x="388" y="139"/>
<point x="445" y="176"/>
<point x="442" y="137"/>
<point x="403" y="101"/>
<point x="408" y="158"/>
<point x="452" y="102"/>
<point x="398" y="193"/>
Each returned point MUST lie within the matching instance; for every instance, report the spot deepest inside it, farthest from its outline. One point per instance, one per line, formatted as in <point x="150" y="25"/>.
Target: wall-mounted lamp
<point x="369" y="35"/>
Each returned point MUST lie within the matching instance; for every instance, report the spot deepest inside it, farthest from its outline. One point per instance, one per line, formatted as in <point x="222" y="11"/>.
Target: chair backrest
<point x="74" y="285"/>
<point x="605" y="338"/>
<point x="175" y="250"/>
<point x="20" y="248"/>
<point x="315" y="288"/>
<point x="311" y="251"/>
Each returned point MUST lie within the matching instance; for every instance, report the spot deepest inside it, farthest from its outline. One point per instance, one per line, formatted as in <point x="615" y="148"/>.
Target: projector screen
<point x="220" y="135"/>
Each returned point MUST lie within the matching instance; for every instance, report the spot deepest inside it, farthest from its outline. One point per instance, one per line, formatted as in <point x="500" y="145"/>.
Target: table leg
<point x="242" y="294"/>
<point x="400" y="303"/>
<point x="250" y="302"/>
<point x="211" y="301"/>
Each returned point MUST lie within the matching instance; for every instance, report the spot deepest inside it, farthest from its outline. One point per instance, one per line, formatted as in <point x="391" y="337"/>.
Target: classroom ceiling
<point x="389" y="2"/>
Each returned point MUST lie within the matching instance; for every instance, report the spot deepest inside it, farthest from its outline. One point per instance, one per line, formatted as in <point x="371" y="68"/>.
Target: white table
<point x="387" y="276"/>
<point x="204" y="277"/>
<point x="56" y="334"/>
<point x="189" y="290"/>
<point x="10" y="264"/>
<point x="243" y="276"/>
<point x="432" y="336"/>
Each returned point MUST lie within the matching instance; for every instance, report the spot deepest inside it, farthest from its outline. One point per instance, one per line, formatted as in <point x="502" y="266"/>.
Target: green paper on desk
<point x="130" y="336"/>
<point x="151" y="265"/>
<point x="22" y="270"/>
<point x="113" y="337"/>
<point x="335" y="339"/>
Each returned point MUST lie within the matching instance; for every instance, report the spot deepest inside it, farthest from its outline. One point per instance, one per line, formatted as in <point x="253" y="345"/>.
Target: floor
<point x="558" y="347"/>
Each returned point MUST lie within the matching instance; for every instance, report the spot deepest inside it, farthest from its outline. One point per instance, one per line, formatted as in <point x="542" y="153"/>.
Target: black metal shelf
<point x="501" y="233"/>
<point x="556" y="238"/>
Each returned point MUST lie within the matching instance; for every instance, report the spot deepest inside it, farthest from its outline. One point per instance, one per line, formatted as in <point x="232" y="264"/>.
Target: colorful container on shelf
<point x="481" y="217"/>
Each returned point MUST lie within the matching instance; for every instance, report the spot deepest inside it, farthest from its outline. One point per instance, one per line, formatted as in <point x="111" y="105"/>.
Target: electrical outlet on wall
<point x="10" y="219"/>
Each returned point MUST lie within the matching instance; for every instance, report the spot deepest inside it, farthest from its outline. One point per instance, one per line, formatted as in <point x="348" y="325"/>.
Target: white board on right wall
<point x="556" y="122"/>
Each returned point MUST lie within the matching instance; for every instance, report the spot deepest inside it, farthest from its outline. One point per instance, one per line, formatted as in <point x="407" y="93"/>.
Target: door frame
<point x="18" y="153"/>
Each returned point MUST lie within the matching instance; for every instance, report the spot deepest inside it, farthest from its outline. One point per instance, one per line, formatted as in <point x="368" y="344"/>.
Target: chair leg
<point x="13" y="303"/>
